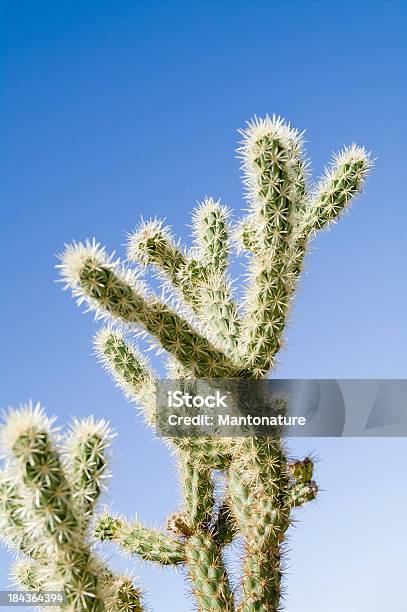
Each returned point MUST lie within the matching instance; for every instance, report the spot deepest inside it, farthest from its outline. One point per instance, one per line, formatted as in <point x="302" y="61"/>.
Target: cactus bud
<point x="302" y="470"/>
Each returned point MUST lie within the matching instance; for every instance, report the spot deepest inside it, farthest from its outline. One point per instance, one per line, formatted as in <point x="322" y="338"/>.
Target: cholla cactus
<point x="207" y="333"/>
<point x="48" y="489"/>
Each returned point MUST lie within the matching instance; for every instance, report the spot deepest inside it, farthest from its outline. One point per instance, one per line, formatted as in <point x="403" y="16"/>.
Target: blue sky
<point x="113" y="110"/>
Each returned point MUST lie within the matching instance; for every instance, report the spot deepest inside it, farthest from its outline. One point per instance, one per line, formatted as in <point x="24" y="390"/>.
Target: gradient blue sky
<point x="114" y="110"/>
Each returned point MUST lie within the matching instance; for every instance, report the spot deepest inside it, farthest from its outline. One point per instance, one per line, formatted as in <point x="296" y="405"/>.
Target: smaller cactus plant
<point x="49" y="487"/>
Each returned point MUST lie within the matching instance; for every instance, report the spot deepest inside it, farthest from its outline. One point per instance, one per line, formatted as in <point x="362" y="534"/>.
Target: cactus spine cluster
<point x="49" y="490"/>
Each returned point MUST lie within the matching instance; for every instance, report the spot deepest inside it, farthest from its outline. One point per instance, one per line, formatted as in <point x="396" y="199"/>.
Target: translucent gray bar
<point x="283" y="407"/>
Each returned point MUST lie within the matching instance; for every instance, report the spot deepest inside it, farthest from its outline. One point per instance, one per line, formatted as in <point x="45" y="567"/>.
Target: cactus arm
<point x="85" y="455"/>
<point x="203" y="553"/>
<point x="207" y="572"/>
<point x="210" y="225"/>
<point x="247" y="234"/>
<point x="149" y="544"/>
<point x="198" y="490"/>
<point x="333" y="194"/>
<point x="19" y="526"/>
<point x="258" y="489"/>
<point x="269" y="151"/>
<point x="263" y="183"/>
<point x="43" y="476"/>
<point x="129" y="369"/>
<point x="219" y="314"/>
<point x="218" y="310"/>
<point x="93" y="277"/>
<point x="342" y="181"/>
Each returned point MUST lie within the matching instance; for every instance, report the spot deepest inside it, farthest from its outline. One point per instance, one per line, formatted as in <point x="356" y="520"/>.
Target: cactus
<point x="49" y="487"/>
<point x="206" y="333"/>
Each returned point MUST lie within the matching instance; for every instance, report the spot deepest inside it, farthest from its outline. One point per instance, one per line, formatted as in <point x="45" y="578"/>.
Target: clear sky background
<point x="112" y="110"/>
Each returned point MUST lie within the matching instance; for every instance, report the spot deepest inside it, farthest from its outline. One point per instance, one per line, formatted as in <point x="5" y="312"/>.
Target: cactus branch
<point x="207" y="573"/>
<point x="85" y="454"/>
<point x="271" y="152"/>
<point x="259" y="494"/>
<point x="134" y="538"/>
<point x="198" y="490"/>
<point x="128" y="368"/>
